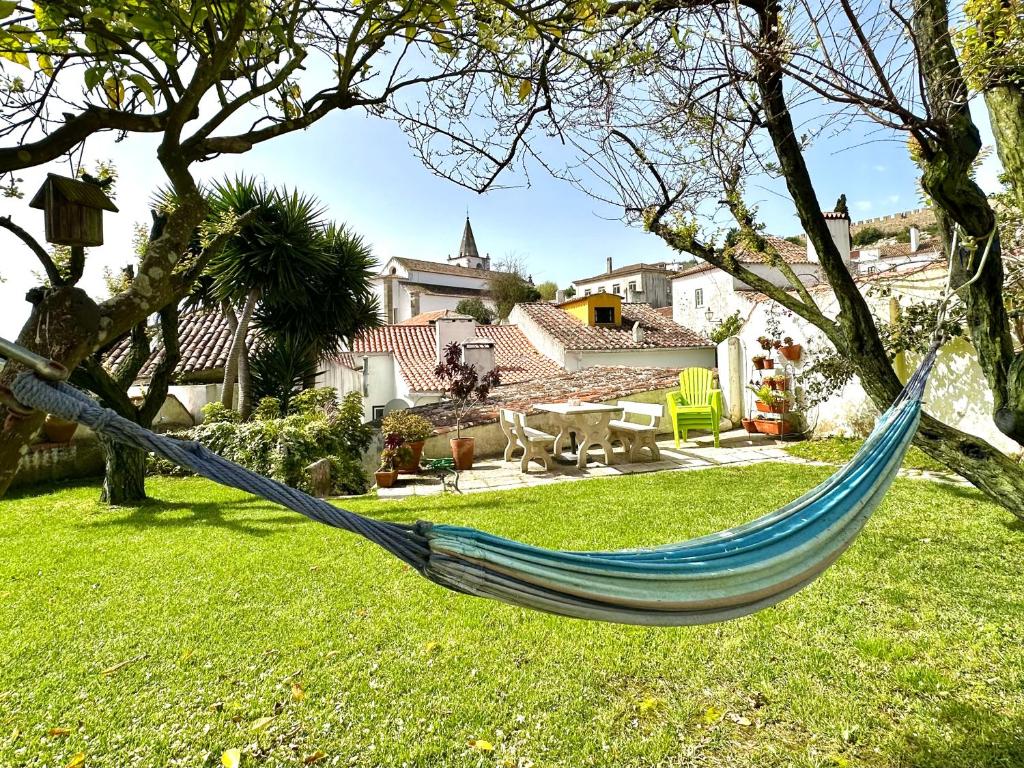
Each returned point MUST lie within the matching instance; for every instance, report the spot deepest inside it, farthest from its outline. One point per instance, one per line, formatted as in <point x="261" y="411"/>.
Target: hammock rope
<point x="711" y="578"/>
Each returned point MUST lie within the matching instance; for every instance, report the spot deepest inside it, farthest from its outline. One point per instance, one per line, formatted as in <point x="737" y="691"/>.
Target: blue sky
<point x="365" y="173"/>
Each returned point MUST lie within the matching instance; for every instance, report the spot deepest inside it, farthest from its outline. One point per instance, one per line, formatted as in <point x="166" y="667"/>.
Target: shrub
<point x="475" y="309"/>
<point x="729" y="327"/>
<point x="867" y="236"/>
<point x="411" y="426"/>
<point x="281" y="448"/>
<point x="214" y="413"/>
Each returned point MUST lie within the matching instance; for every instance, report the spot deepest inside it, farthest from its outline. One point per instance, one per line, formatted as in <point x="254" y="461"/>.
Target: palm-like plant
<point x="272" y="257"/>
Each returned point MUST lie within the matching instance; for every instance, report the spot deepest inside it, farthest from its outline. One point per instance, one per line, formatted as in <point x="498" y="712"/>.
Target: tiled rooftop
<point x="204" y="339"/>
<point x="414" y="347"/>
<point x="426" y="318"/>
<point x="791" y="253"/>
<point x="444" y="290"/>
<point x="659" y="332"/>
<point x="441" y="268"/>
<point x="596" y="384"/>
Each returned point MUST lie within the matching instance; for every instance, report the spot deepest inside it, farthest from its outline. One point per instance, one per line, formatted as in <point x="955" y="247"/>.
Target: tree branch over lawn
<point x="195" y="74"/>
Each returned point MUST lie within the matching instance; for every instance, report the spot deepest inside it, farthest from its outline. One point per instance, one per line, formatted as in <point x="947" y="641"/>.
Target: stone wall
<point x="53" y="462"/>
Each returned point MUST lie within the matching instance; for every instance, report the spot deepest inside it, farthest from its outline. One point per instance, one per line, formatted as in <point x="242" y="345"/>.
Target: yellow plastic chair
<point x="697" y="404"/>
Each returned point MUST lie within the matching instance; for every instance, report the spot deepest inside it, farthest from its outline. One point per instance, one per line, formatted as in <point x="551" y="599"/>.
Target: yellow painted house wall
<point x="583" y="308"/>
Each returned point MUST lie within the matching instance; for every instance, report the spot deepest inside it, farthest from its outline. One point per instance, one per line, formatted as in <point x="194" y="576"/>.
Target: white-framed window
<point x="601" y="290"/>
<point x="632" y="285"/>
<point x="586" y="291"/>
<point x="378" y="412"/>
<point x="617" y="289"/>
<point x="698" y="297"/>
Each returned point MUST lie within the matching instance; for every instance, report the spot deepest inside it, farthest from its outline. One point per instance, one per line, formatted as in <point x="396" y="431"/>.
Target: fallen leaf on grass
<point x="77" y="761"/>
<point x="262" y="723"/>
<point x="298" y="692"/>
<point x="712" y="715"/>
<point x="431" y="648"/>
<point x="231" y="758"/>
<point x="55" y="732"/>
<point x="123" y="664"/>
<point x="316" y="757"/>
<point x="481" y="744"/>
<point x="650" y="704"/>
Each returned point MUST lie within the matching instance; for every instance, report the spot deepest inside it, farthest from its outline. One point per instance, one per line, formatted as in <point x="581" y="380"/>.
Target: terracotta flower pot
<point x="758" y="363"/>
<point x="385" y="479"/>
<point x="769" y="409"/>
<point x="462" y="452"/>
<point x="769" y="364"/>
<point x="792" y="352"/>
<point x="59" y="430"/>
<point x="409" y="462"/>
<point x="750" y="425"/>
<point x="775" y="428"/>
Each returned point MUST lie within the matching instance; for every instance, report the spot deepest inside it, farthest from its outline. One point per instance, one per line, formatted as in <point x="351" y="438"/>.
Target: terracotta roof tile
<point x="414" y="348"/>
<point x="597" y="384"/>
<point x="659" y="332"/>
<point x="204" y="339"/>
<point x="425" y="318"/>
<point x="791" y="253"/>
<point x="441" y="268"/>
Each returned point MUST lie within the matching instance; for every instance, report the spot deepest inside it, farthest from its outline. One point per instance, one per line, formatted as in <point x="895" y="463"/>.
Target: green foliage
<point x="280" y="367"/>
<point x="824" y="375"/>
<point x="476" y="309"/>
<point x="992" y="43"/>
<point x="411" y="426"/>
<point x="547" y="290"/>
<point x="570" y="291"/>
<point x="729" y="327"/>
<point x="281" y="448"/>
<point x="867" y="235"/>
<point x="510" y="286"/>
<point x="267" y="408"/>
<point x="216" y="413"/>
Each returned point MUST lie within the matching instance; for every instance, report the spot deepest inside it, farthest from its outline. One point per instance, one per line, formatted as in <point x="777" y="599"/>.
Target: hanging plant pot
<point x="462" y="452"/>
<point x="750" y="425"/>
<point x="386" y="478"/>
<point x="409" y="459"/>
<point x="792" y="352"/>
<point x="59" y="430"/>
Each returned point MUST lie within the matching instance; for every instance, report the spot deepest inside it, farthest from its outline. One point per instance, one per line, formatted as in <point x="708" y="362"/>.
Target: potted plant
<point x="749" y="424"/>
<point x="58" y="430"/>
<point x="758" y="361"/>
<point x="768" y="400"/>
<point x="791" y="351"/>
<point x="414" y="431"/>
<point x="462" y="386"/>
<point x="386" y="474"/>
<point x="773" y="427"/>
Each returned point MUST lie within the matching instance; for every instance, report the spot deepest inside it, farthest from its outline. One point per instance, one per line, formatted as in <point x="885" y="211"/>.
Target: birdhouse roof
<point x="74" y="191"/>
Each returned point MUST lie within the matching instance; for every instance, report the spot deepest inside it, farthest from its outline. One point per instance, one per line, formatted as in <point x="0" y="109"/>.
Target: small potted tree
<point x="414" y="430"/>
<point x="767" y="344"/>
<point x="386" y="474"/>
<point x="462" y="386"/>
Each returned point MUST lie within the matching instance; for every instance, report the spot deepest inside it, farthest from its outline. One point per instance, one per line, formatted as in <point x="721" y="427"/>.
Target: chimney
<point x="915" y="239"/>
<point x="478" y="352"/>
<point x="559" y="296"/>
<point x="452" y="329"/>
<point x="638" y="333"/>
<point x="839" y="227"/>
<point x="609" y="263"/>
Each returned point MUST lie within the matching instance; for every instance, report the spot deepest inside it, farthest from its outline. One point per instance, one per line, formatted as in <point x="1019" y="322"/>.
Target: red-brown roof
<point x="426" y="318"/>
<point x="414" y="348"/>
<point x="203" y="337"/>
<point x="659" y="332"/>
<point x="440" y="268"/>
<point x="664" y="312"/>
<point x="597" y="384"/>
<point x="791" y="253"/>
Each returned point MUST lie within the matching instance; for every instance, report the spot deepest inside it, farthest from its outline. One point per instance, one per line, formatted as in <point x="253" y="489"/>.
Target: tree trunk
<point x="124" y="481"/>
<point x="227" y="397"/>
<point x="1006" y="112"/>
<point x="244" y="383"/>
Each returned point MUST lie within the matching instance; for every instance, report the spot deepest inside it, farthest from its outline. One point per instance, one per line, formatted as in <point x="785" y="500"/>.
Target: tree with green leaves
<point x="476" y="309"/>
<point x="511" y="285"/>
<point x="212" y="79"/>
<point x="547" y="290"/>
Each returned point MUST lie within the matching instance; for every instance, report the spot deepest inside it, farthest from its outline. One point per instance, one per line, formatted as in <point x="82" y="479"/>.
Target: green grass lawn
<point x="839" y="450"/>
<point x="208" y="621"/>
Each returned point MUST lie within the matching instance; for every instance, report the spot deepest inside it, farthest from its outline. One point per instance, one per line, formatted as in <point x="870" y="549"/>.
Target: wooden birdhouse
<point x="73" y="210"/>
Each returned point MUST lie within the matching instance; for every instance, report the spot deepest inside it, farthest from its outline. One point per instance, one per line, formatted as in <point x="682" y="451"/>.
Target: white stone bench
<point x="636" y="435"/>
<point x="532" y="441"/>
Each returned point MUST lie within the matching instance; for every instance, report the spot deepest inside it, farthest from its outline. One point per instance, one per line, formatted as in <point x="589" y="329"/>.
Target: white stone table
<point x="590" y="423"/>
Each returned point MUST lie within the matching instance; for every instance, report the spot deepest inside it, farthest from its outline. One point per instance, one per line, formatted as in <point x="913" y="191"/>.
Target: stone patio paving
<point x="737" y="448"/>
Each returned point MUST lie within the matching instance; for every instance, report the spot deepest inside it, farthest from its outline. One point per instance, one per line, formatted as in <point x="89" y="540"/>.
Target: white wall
<point x="643" y="358"/>
<point x="541" y="340"/>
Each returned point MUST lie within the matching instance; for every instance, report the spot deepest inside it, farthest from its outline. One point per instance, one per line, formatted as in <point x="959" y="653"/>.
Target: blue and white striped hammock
<point x="712" y="578"/>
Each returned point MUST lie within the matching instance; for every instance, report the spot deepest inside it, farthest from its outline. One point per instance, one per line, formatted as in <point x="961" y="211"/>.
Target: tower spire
<point x="468" y="249"/>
